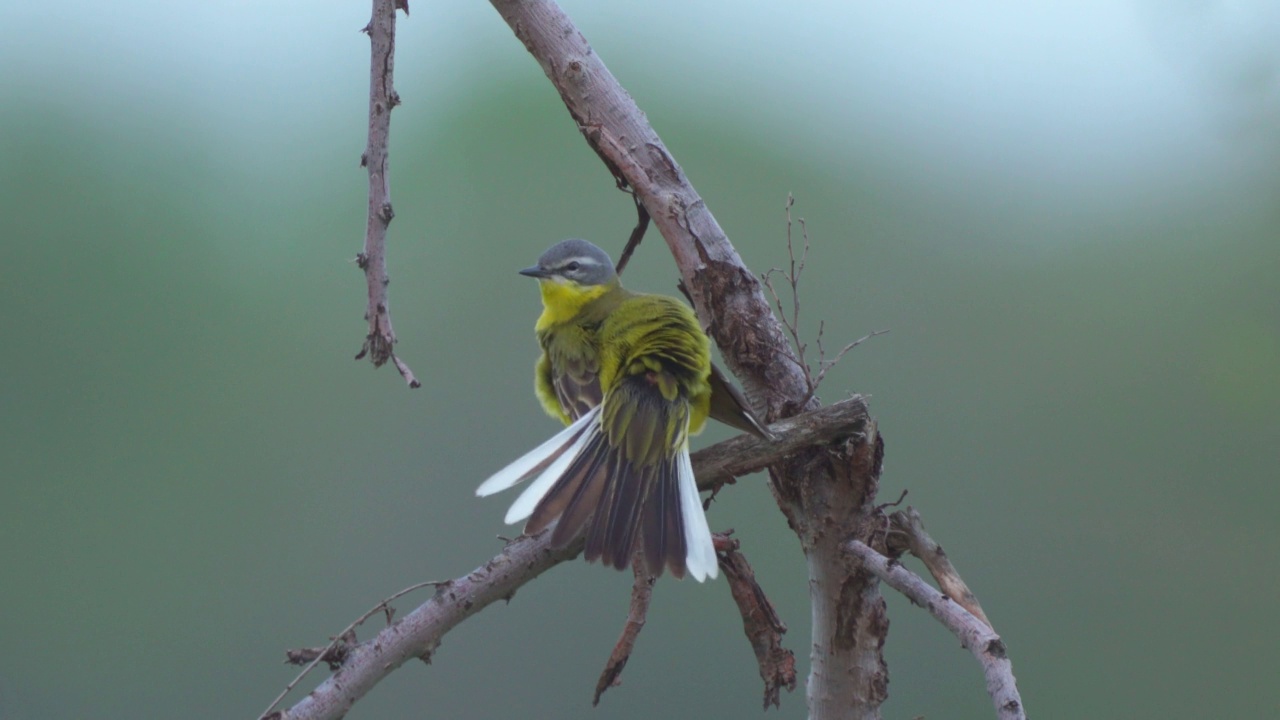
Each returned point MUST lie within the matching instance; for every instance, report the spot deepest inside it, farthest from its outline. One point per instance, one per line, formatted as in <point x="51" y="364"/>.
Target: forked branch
<point x="907" y="533"/>
<point x="975" y="635"/>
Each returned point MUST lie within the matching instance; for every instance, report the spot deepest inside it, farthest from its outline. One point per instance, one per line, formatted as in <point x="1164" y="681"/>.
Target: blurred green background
<point x="1065" y="213"/>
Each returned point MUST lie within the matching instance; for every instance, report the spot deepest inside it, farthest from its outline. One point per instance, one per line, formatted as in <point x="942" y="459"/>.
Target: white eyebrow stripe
<point x="582" y="260"/>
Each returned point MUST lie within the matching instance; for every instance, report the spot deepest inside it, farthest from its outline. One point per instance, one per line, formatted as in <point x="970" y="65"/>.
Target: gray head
<point x="575" y="260"/>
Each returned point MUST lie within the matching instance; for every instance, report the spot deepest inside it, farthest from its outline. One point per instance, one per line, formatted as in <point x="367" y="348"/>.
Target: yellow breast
<point x="562" y="301"/>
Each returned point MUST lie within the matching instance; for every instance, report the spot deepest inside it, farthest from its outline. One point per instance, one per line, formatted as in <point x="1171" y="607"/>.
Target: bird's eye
<point x="573" y="266"/>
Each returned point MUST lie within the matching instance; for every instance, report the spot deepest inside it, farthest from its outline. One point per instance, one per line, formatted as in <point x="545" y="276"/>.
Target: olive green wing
<point x="567" y="378"/>
<point x="577" y="385"/>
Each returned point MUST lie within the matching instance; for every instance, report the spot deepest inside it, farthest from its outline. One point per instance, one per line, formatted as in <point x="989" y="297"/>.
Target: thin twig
<point x="796" y="270"/>
<point x="379" y="344"/>
<point x="909" y="534"/>
<point x="641" y="594"/>
<point x="347" y="636"/>
<point x="975" y="635"/>
<point x="792" y="324"/>
<point x="824" y="365"/>
<point x="637" y="233"/>
<point x="792" y="276"/>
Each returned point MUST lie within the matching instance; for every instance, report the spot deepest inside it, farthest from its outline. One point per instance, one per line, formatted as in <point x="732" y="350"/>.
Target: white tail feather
<point x="700" y="560"/>
<point x="532" y="495"/>
<point x="520" y="469"/>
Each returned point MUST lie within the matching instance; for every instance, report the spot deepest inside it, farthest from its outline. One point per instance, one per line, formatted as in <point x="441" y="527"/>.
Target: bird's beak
<point x="534" y="272"/>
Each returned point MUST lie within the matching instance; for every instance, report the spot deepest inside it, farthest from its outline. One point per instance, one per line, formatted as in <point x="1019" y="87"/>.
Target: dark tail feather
<point x="662" y="526"/>
<point x="598" y="522"/>
<point x="580" y="477"/>
<point x="623" y="507"/>
<point x="631" y="486"/>
<point x="654" y="528"/>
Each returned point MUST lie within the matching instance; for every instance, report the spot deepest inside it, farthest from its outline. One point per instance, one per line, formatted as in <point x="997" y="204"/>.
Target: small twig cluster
<point x="792" y="320"/>
<point x="335" y="653"/>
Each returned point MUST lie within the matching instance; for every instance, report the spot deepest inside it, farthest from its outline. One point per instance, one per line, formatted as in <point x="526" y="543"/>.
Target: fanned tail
<point x="623" y="508"/>
<point x="586" y="484"/>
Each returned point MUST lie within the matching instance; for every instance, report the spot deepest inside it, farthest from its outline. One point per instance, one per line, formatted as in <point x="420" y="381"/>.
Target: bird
<point x="631" y="377"/>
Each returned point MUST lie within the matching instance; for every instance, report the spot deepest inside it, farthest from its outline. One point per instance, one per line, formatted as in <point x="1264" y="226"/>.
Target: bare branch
<point x="641" y="594"/>
<point x="760" y="621"/>
<point x="723" y="462"/>
<point x="909" y="534"/>
<point x="379" y="344"/>
<point x="975" y="634"/>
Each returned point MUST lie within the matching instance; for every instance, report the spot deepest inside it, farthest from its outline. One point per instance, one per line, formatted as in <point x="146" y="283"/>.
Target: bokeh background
<point x="1066" y="214"/>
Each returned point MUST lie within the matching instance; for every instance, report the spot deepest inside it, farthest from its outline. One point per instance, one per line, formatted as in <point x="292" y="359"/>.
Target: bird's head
<point x="571" y="274"/>
<point x="573" y="262"/>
